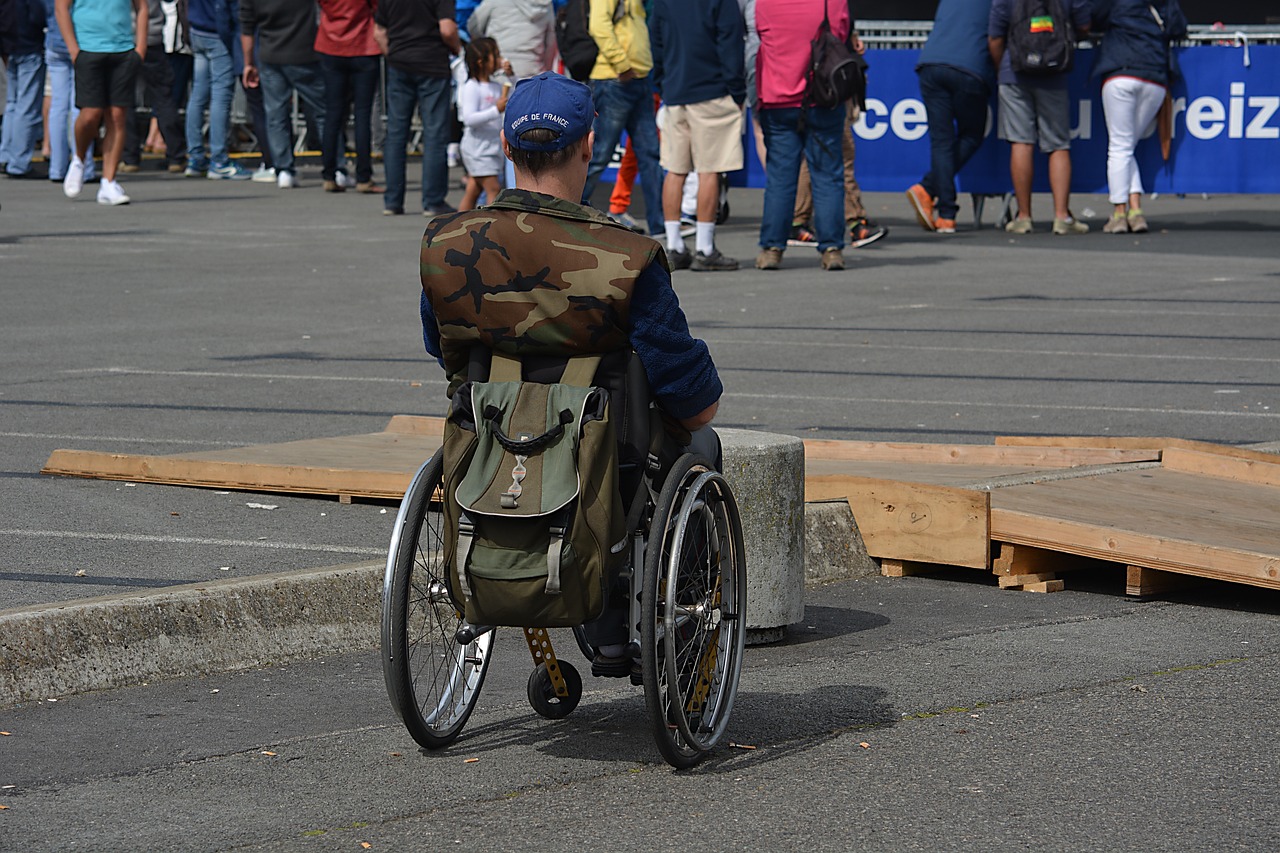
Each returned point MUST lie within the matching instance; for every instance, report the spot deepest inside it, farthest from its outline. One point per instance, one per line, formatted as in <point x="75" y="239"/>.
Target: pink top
<point x="346" y="28"/>
<point x="786" y="28"/>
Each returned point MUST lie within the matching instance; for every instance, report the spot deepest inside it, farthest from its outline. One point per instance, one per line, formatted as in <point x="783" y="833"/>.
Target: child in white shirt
<point x="480" y="106"/>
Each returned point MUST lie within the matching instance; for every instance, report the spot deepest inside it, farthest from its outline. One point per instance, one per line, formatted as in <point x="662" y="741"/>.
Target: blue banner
<point x="1226" y="129"/>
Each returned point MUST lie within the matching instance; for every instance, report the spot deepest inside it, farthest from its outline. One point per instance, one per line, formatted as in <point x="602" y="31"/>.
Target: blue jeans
<point x="956" y="106"/>
<point x="279" y="82"/>
<point x="818" y="140"/>
<point x="212" y="85"/>
<point x="627" y="106"/>
<point x="430" y="96"/>
<point x="22" y="111"/>
<point x="62" y="117"/>
<point x="348" y="80"/>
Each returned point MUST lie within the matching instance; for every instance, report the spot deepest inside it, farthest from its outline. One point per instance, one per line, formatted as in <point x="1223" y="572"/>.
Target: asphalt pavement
<point x="213" y="314"/>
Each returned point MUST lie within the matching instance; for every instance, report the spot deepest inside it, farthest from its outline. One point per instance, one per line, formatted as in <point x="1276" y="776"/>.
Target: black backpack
<point x="1040" y="39"/>
<point x="577" y="48"/>
<point x="836" y="73"/>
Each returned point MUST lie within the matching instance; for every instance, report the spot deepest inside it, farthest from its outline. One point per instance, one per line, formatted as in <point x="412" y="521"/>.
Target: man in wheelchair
<point x="537" y="278"/>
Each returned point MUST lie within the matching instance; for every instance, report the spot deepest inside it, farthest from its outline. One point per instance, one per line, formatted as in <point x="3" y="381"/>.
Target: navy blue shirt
<point x="1135" y="38"/>
<point x="679" y="367"/>
<point x="998" y="28"/>
<point x="697" y="50"/>
<point x="959" y="39"/>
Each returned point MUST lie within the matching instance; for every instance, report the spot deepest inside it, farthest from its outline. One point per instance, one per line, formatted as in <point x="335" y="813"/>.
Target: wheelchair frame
<point x="687" y="571"/>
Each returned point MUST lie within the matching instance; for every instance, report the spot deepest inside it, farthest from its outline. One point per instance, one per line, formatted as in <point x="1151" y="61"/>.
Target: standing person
<point x="1035" y="108"/>
<point x="623" y="94"/>
<point x="157" y="79"/>
<point x="214" y="28"/>
<point x="525" y="30"/>
<point x="956" y="76"/>
<point x="418" y="37"/>
<point x="23" y="46"/>
<point x="698" y="70"/>
<point x="106" y="40"/>
<point x="285" y="62"/>
<point x="793" y="131"/>
<point x="349" y="61"/>
<point x="480" y="105"/>
<point x="62" y="101"/>
<point x="1136" y="64"/>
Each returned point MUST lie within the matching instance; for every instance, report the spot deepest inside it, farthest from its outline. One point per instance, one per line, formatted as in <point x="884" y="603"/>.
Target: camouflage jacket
<point x="531" y="274"/>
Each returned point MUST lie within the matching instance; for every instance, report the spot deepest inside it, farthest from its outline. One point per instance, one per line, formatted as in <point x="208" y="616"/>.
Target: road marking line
<point x="1034" y="406"/>
<point x="193" y="540"/>
<point x="990" y="350"/>
<point x="218" y="374"/>
<point x="116" y="438"/>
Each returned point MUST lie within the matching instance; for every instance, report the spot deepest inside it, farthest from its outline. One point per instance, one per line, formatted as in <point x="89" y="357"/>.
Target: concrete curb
<point x="201" y="629"/>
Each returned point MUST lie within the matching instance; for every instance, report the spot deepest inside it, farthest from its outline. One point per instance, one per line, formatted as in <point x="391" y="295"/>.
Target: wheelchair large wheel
<point x="693" y="612"/>
<point x="432" y="679"/>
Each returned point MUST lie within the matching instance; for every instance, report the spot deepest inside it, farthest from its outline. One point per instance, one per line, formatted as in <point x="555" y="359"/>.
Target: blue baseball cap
<point x="551" y="101"/>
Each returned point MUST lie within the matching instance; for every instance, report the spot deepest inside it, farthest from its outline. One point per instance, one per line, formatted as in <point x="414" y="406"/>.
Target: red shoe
<point x="922" y="204"/>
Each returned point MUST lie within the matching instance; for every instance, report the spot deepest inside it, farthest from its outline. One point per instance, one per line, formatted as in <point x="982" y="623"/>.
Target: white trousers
<point x="1130" y="106"/>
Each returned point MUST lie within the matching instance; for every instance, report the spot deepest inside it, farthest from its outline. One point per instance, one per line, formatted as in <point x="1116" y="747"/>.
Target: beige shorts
<point x="704" y="137"/>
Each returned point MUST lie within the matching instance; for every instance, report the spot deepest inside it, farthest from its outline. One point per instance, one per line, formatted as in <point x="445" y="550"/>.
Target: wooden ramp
<point x="1031" y="510"/>
<point x="377" y="465"/>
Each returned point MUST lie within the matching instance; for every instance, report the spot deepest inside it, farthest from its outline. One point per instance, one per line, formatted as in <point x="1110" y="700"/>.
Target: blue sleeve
<point x="430" y="331"/>
<point x="998" y="20"/>
<point x="1081" y="15"/>
<point x="729" y="41"/>
<point x="680" y="370"/>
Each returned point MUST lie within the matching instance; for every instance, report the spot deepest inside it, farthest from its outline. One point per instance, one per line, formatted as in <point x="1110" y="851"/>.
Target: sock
<point x="675" y="243"/>
<point x="706" y="237"/>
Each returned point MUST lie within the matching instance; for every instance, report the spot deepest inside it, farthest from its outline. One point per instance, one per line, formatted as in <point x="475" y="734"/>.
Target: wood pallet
<point x="1165" y="510"/>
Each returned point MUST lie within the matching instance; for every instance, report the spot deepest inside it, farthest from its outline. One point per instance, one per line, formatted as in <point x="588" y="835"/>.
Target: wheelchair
<point x="686" y="608"/>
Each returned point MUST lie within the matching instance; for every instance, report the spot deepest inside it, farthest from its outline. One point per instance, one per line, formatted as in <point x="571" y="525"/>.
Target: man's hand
<point x="627" y="76"/>
<point x="857" y="44"/>
<point x="250" y="77"/>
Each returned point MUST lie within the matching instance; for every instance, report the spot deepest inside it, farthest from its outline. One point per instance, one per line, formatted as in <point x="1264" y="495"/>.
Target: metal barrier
<point x="913" y="34"/>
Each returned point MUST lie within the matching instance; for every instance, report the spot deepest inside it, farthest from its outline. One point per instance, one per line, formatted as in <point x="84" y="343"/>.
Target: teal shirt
<point x="103" y="26"/>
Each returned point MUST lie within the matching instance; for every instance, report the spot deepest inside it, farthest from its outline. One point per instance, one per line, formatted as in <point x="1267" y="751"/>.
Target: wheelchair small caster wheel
<point x="542" y="693"/>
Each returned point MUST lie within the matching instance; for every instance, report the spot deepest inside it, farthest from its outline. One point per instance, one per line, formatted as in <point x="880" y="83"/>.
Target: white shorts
<point x="704" y="137"/>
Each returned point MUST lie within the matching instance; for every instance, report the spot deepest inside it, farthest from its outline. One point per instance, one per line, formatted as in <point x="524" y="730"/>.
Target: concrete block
<point x="834" y="549"/>
<point x="766" y="473"/>
<point x="122" y="640"/>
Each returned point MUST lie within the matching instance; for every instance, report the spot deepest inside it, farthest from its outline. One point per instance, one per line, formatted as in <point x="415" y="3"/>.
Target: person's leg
<point x="940" y="182"/>
<point x="308" y="81"/>
<point x="434" y="106"/>
<point x="853" y="209"/>
<point x="59" y="110"/>
<point x="783" y="141"/>
<point x="1021" y="171"/>
<point x="969" y="98"/>
<point x="620" y="199"/>
<point x="222" y="87"/>
<point x="364" y="84"/>
<point x="333" y="70"/>
<point x="122" y="72"/>
<point x="611" y="118"/>
<point x="1053" y="128"/>
<point x="401" y="97"/>
<point x="276" y="102"/>
<point x="198" y="102"/>
<point x="802" y="210"/>
<point x="86" y="129"/>
<point x="672" y="194"/>
<point x="823" y="153"/>
<point x="23" y="116"/>
<point x="113" y="142"/>
<point x="157" y="73"/>
<point x="643" y="131"/>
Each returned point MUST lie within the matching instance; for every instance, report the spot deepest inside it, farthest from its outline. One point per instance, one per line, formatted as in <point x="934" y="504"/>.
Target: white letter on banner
<point x="909" y="120"/>
<point x="1235" y="122"/>
<point x="868" y="131"/>
<point x="1266" y="106"/>
<point x="1205" y="117"/>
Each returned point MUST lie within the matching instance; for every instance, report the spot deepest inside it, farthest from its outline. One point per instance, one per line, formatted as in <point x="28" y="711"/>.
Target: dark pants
<point x="157" y="78"/>
<point x="406" y="92"/>
<point x="348" y="80"/>
<point x="956" y="106"/>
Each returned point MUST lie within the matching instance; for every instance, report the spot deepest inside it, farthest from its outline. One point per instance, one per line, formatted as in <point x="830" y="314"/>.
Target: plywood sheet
<point x="373" y="465"/>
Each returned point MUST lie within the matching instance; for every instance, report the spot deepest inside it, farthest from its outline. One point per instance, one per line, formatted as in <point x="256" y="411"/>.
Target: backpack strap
<point x="466" y="535"/>
<point x="504" y="368"/>
<point x="580" y="370"/>
<point x="553" y="560"/>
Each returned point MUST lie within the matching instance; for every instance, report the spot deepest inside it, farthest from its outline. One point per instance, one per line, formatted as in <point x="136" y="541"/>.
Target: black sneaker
<point x="864" y="232"/>
<point x="714" y="262"/>
<point x="680" y="260"/>
<point x="802" y="235"/>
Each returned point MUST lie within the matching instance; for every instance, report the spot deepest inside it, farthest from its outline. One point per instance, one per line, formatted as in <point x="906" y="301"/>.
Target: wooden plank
<point x="1133" y="443"/>
<point x="1045" y="586"/>
<point x="415" y="425"/>
<point x="1008" y="581"/>
<point x="1185" y="556"/>
<point x="1142" y="582"/>
<point x="921" y="523"/>
<point x="1260" y="472"/>
<point x="1023" y="560"/>
<point x="902" y="568"/>
<point x="971" y="454"/>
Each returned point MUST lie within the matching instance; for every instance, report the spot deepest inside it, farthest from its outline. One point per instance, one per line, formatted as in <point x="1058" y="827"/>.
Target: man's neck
<point x="551" y="184"/>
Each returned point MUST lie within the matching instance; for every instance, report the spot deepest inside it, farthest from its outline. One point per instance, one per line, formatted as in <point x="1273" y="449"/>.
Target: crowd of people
<point x="676" y="77"/>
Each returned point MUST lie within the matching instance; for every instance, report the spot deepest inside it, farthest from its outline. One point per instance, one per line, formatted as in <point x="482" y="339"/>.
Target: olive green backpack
<point x="534" y="529"/>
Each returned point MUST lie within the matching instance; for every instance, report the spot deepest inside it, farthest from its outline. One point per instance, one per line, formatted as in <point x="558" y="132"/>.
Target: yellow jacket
<point x="624" y="43"/>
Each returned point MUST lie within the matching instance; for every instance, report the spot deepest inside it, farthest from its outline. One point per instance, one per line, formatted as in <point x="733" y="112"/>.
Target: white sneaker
<point x="285" y="180"/>
<point x="110" y="192"/>
<point x="344" y="180"/>
<point x="73" y="183"/>
<point x="265" y="174"/>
